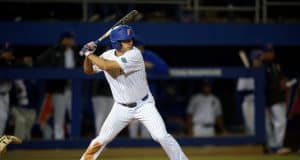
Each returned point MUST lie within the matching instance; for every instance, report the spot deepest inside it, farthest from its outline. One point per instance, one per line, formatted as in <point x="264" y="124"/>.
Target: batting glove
<point x="88" y="49"/>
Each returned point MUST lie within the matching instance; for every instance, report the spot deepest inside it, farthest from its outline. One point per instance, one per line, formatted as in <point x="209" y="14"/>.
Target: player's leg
<point x="279" y="122"/>
<point x="30" y="120"/>
<point x="4" y="103"/>
<point x="116" y="120"/>
<point x="271" y="142"/>
<point x="59" y="106"/>
<point x="144" y="132"/>
<point x="20" y="121"/>
<point x="150" y="117"/>
<point x="248" y="112"/>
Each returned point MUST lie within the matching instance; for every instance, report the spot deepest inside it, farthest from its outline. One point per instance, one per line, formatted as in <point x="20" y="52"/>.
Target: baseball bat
<point x="243" y="57"/>
<point x="126" y="19"/>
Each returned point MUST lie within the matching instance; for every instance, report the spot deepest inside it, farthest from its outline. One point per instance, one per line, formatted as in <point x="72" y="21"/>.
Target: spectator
<point x="204" y="112"/>
<point x="62" y="55"/>
<point x="154" y="66"/>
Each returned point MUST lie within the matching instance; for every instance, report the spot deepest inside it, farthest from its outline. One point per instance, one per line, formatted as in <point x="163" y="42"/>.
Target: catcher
<point x="7" y="139"/>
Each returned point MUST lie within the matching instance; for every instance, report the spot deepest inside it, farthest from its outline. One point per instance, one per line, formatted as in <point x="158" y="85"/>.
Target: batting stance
<point x="124" y="70"/>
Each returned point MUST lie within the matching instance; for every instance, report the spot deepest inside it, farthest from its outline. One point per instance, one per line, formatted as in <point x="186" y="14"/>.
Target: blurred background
<point x="205" y="91"/>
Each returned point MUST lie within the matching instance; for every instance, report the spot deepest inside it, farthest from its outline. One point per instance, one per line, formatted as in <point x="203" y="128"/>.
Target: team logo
<point x="123" y="59"/>
<point x="129" y="31"/>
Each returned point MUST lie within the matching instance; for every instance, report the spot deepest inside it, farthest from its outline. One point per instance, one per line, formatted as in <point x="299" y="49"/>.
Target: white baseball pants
<point x="200" y="130"/>
<point x="120" y="116"/>
<point x="4" y="105"/>
<point x="61" y="104"/>
<point x="276" y="125"/>
<point x="24" y="121"/>
<point x="248" y="110"/>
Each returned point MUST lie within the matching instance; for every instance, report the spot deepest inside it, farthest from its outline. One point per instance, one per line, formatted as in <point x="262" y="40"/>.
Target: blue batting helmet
<point x="120" y="33"/>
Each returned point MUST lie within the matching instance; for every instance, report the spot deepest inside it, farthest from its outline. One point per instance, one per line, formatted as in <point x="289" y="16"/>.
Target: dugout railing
<point x="77" y="77"/>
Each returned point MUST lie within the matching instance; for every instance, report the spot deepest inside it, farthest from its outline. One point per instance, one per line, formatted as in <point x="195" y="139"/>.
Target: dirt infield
<point x="66" y="154"/>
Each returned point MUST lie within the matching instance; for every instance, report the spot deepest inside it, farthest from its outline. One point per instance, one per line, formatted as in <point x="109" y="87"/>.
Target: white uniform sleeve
<point x="131" y="61"/>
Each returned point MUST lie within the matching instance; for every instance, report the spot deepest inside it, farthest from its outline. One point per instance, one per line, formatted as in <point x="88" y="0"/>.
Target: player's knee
<point x="160" y="137"/>
<point x="103" y="139"/>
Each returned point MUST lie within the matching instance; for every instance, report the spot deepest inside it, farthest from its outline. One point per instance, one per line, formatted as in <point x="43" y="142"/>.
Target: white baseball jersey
<point x="204" y="109"/>
<point x="246" y="84"/>
<point x="125" y="88"/>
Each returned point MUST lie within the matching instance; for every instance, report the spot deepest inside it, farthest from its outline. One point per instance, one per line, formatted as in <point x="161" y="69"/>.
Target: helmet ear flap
<point x="116" y="45"/>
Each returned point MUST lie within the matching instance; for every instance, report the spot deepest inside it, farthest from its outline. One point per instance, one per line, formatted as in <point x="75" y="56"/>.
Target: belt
<point x="3" y="93"/>
<point x="133" y="104"/>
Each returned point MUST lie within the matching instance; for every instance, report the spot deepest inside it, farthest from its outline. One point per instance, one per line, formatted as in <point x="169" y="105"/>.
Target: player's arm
<point x="104" y="64"/>
<point x="88" y="66"/>
<point x="110" y="66"/>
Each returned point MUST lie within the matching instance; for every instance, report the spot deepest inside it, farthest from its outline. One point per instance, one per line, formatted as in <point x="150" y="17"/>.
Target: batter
<point x="124" y="70"/>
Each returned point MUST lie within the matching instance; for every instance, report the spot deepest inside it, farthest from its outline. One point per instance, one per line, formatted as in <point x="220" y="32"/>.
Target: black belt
<point x="133" y="104"/>
<point x="3" y="93"/>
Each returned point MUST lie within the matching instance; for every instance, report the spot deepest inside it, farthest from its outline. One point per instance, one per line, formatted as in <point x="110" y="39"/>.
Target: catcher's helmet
<point x="120" y="33"/>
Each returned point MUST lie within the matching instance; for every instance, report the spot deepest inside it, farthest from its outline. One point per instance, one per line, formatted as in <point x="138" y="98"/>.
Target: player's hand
<point x="7" y="139"/>
<point x="88" y="49"/>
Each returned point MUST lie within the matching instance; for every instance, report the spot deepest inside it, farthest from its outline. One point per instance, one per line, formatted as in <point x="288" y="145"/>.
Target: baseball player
<point x="204" y="111"/>
<point x="124" y="70"/>
<point x="60" y="56"/>
<point x="245" y="87"/>
<point x="276" y="88"/>
<point x="6" y="61"/>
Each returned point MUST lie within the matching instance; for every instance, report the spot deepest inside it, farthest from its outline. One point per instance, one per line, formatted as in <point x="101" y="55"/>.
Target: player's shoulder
<point x="134" y="52"/>
<point x="108" y="53"/>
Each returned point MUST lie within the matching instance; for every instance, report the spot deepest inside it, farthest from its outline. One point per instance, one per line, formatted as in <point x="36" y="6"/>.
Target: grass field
<point x="194" y="153"/>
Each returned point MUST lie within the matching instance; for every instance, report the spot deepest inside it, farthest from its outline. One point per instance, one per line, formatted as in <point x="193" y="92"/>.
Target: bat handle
<point x="97" y="42"/>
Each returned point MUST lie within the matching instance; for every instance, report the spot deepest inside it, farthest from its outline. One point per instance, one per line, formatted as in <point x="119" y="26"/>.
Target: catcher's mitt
<point x="7" y="139"/>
